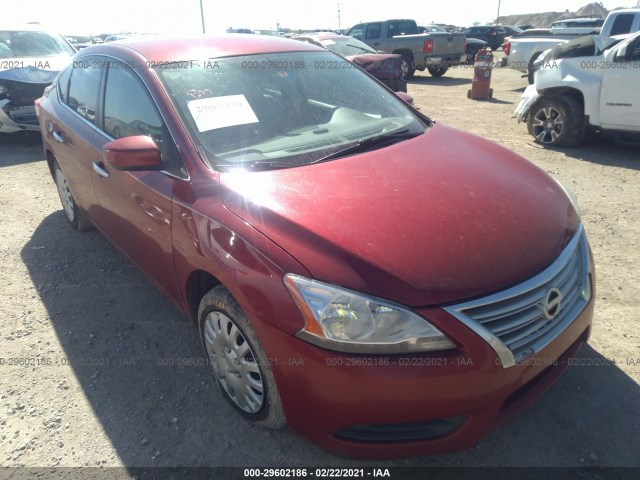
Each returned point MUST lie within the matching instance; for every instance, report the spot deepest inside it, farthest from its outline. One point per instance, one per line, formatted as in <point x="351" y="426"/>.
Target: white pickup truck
<point x="523" y="49"/>
<point x="576" y="92"/>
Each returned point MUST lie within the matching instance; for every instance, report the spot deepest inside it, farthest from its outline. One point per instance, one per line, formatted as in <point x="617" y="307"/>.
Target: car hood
<point x="587" y="46"/>
<point x="380" y="65"/>
<point x="438" y="218"/>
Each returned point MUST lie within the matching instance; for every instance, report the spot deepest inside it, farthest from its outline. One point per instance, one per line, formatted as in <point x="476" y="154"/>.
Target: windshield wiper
<point x="368" y="144"/>
<point x="256" y="166"/>
<point x="359" y="48"/>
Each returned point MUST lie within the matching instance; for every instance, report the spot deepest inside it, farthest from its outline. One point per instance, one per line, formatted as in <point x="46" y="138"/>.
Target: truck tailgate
<point x="448" y="43"/>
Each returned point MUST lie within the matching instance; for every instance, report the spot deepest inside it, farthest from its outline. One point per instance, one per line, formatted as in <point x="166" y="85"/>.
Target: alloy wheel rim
<point x="233" y="362"/>
<point x="404" y="68"/>
<point x="65" y="195"/>
<point x="548" y="124"/>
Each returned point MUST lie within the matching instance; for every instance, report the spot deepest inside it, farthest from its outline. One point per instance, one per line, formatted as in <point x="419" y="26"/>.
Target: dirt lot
<point x="92" y="388"/>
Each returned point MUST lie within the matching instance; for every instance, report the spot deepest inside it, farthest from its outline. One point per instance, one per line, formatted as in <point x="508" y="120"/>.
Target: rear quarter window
<point x="63" y="84"/>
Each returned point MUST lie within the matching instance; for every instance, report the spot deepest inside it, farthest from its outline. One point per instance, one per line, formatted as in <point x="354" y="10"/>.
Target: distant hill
<point x="544" y="20"/>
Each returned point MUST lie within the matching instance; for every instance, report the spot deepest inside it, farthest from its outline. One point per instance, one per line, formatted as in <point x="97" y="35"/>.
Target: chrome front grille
<point x="522" y="320"/>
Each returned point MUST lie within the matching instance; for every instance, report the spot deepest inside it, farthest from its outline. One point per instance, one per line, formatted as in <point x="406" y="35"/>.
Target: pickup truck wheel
<point x="556" y="121"/>
<point x="73" y="214"/>
<point x="437" y="71"/>
<point x="239" y="362"/>
<point x="407" y="67"/>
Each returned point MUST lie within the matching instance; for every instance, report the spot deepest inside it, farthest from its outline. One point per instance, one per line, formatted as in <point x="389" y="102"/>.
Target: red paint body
<point x="439" y="218"/>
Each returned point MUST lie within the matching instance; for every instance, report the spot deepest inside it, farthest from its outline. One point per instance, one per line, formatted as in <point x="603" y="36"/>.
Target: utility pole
<point x="202" y="16"/>
<point x="338" y="15"/>
<point x="498" y="16"/>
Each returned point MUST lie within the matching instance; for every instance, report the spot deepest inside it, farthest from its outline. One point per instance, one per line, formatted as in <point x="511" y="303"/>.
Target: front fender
<point x="528" y="98"/>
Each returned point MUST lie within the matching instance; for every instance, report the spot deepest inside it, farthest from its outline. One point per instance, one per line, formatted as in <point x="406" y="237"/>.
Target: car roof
<point x="27" y="28"/>
<point x="165" y="48"/>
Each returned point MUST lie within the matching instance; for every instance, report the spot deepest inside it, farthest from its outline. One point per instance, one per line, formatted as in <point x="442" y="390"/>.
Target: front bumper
<point x="445" y="60"/>
<point x="17" y="119"/>
<point x="361" y="406"/>
<point x="528" y="98"/>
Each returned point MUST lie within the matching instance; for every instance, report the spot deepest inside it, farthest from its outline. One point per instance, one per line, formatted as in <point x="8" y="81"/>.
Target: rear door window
<point x="84" y="85"/>
<point x="622" y="24"/>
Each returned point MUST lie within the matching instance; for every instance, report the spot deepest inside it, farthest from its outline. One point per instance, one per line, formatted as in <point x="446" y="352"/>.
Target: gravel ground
<point x="87" y="342"/>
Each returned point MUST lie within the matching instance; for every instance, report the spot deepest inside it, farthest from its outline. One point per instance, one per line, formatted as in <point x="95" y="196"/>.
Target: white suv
<point x="574" y="95"/>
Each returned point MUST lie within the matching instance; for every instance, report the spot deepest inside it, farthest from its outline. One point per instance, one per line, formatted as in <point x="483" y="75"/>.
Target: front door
<point x="135" y="206"/>
<point x="620" y="97"/>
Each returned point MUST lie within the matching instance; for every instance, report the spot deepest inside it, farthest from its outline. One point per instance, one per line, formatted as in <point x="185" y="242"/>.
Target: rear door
<point x="135" y="206"/>
<point x="71" y="128"/>
<point x="620" y="97"/>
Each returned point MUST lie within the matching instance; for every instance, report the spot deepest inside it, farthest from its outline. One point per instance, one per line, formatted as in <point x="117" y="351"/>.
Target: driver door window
<point x="129" y="111"/>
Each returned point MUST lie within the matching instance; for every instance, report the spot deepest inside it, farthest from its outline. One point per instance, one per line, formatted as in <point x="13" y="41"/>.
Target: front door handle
<point x="58" y="138"/>
<point x="100" y="170"/>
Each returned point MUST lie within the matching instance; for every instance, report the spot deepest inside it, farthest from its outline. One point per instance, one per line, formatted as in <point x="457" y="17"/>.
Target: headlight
<point x="346" y="321"/>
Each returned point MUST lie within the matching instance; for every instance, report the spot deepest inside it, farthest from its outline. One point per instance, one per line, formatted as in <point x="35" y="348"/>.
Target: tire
<point x="397" y="85"/>
<point x="437" y="71"/>
<point x="238" y="360"/>
<point x="69" y="206"/>
<point x="556" y="121"/>
<point x="407" y="68"/>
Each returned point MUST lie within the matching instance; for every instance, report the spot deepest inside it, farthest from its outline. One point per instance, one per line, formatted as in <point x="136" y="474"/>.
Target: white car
<point x="573" y="95"/>
<point x="30" y="59"/>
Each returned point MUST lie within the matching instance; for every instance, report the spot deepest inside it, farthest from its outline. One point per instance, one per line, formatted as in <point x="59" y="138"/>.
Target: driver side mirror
<point x="405" y="97"/>
<point x="621" y="54"/>
<point x="133" y="153"/>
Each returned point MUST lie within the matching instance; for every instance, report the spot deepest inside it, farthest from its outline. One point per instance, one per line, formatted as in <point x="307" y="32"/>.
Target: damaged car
<point x="30" y="59"/>
<point x="384" y="284"/>
<point x="586" y="85"/>
<point x="386" y="67"/>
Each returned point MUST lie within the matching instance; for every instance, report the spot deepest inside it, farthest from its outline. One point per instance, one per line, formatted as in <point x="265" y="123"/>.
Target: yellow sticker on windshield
<point x="219" y="112"/>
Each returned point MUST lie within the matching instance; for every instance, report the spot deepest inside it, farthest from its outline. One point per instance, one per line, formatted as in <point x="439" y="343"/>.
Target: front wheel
<point x="73" y="214"/>
<point x="437" y="71"/>
<point x="239" y="362"/>
<point x="407" y="68"/>
<point x="556" y="121"/>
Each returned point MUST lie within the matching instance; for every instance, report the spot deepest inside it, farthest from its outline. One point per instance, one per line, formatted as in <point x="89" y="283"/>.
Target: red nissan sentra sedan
<point x="385" y="285"/>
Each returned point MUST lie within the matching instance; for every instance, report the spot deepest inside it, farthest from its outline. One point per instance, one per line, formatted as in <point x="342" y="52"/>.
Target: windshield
<point x="25" y="44"/>
<point x="347" y="46"/>
<point x="284" y="109"/>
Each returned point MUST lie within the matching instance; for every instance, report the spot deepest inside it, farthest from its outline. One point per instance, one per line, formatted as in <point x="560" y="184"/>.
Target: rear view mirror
<point x="133" y="153"/>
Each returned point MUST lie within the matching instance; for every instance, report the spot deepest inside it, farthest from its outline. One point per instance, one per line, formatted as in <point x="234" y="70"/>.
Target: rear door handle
<point x="100" y="170"/>
<point x="58" y="138"/>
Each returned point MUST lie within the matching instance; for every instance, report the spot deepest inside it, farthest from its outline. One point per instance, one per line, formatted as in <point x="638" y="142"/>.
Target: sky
<point x="183" y="16"/>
